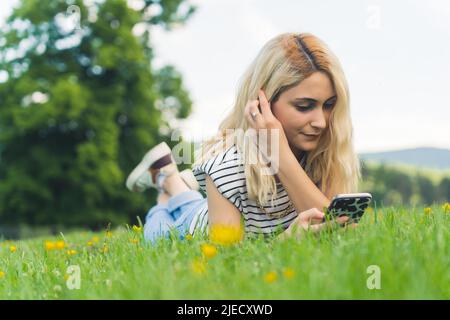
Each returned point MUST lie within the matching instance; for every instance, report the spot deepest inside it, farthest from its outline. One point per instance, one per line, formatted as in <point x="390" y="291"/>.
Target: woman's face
<point x="305" y="109"/>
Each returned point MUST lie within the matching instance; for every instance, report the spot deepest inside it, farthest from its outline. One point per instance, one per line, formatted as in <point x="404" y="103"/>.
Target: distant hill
<point x="433" y="158"/>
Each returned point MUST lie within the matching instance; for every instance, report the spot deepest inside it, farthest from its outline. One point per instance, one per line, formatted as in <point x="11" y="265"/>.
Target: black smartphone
<point x="350" y="204"/>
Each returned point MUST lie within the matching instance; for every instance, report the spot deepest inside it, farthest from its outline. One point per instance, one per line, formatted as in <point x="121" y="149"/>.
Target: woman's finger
<point x="316" y="220"/>
<point x="265" y="105"/>
<point x="317" y="227"/>
<point x="247" y="114"/>
<point x="248" y="107"/>
<point x="253" y="109"/>
<point x="311" y="214"/>
<point x="248" y="110"/>
<point x="342" y="219"/>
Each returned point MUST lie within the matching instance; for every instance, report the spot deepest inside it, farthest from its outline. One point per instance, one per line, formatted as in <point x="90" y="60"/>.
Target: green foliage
<point x="392" y="185"/>
<point x="444" y="188"/>
<point x="80" y="108"/>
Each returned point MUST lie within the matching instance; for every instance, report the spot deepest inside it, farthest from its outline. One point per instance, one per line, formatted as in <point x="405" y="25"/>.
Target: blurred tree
<point x="428" y="191"/>
<point x="400" y="182"/>
<point x="80" y="106"/>
<point x="444" y="190"/>
<point x="392" y="186"/>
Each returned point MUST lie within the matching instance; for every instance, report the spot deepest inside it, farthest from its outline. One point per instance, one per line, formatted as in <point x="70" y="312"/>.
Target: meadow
<point x="394" y="253"/>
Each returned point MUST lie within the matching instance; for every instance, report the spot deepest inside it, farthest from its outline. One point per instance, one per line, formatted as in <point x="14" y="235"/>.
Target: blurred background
<point x="87" y="87"/>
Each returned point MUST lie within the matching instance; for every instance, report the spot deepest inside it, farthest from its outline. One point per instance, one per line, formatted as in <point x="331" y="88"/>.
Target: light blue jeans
<point x="176" y="214"/>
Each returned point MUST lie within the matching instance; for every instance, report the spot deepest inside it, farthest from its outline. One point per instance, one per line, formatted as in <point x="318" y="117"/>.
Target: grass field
<point x="408" y="248"/>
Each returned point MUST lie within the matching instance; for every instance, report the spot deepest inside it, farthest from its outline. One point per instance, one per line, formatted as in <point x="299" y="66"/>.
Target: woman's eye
<point x="307" y="108"/>
<point x="304" y="108"/>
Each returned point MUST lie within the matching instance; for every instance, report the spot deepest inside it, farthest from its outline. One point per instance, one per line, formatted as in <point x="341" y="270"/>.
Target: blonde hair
<point x="283" y="63"/>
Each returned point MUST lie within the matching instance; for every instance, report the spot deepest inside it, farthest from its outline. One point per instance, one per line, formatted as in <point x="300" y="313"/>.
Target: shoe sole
<point x="149" y="158"/>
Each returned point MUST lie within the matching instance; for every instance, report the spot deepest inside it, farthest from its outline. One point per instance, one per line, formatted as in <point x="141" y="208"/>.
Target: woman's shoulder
<point x="225" y="158"/>
<point x="225" y="168"/>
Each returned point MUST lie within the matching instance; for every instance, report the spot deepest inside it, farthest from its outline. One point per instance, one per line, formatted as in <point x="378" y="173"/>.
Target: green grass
<point x="410" y="247"/>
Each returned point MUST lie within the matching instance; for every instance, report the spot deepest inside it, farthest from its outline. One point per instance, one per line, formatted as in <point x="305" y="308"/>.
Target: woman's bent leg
<point x="176" y="214"/>
<point x="182" y="202"/>
<point x="158" y="223"/>
<point x="183" y="208"/>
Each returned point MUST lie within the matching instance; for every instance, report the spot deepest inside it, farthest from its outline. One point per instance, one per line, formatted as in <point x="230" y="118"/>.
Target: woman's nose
<point x="319" y="120"/>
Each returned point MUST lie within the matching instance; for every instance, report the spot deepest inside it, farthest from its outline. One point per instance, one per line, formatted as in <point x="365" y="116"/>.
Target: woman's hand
<point x="263" y="117"/>
<point x="311" y="220"/>
<point x="259" y="115"/>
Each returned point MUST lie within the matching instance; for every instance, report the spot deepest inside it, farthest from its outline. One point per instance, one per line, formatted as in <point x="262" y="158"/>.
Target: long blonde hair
<point x="283" y="63"/>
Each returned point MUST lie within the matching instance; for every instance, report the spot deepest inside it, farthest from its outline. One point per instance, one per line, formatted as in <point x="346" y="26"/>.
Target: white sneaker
<point x="156" y="160"/>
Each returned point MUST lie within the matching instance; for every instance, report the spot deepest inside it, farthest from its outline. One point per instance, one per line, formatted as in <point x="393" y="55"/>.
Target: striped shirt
<point x="226" y="170"/>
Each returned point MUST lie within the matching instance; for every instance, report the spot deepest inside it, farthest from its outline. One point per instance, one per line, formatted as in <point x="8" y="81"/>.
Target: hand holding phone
<point x="351" y="205"/>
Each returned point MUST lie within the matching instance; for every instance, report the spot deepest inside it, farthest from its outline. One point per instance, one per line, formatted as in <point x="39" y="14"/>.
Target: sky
<point x="393" y="54"/>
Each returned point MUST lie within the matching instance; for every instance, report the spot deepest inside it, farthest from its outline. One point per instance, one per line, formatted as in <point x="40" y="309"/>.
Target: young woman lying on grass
<point x="296" y="92"/>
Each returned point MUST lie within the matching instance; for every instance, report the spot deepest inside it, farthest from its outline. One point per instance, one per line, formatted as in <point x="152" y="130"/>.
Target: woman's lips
<point x="311" y="137"/>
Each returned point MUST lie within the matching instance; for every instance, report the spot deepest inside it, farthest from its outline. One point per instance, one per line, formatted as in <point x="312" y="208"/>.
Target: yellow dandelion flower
<point x="108" y="234"/>
<point x="71" y="252"/>
<point x="105" y="249"/>
<point x="2" y="274"/>
<point x="208" y="250"/>
<point x="446" y="207"/>
<point x="198" y="266"/>
<point x="270" y="277"/>
<point x="137" y="229"/>
<point x="288" y="273"/>
<point x="89" y="243"/>
<point x="188" y="237"/>
<point x="427" y="210"/>
<point x="95" y="239"/>
<point x="12" y="248"/>
<point x="49" y="245"/>
<point x="135" y="241"/>
<point x="60" y="245"/>
<point x="225" y="235"/>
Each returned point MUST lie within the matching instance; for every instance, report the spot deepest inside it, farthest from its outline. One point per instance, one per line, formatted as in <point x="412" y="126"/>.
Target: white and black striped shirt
<point x="226" y="170"/>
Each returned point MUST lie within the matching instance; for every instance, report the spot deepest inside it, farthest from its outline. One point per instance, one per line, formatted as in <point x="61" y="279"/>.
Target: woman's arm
<point x="301" y="190"/>
<point x="310" y="221"/>
<point x="220" y="210"/>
